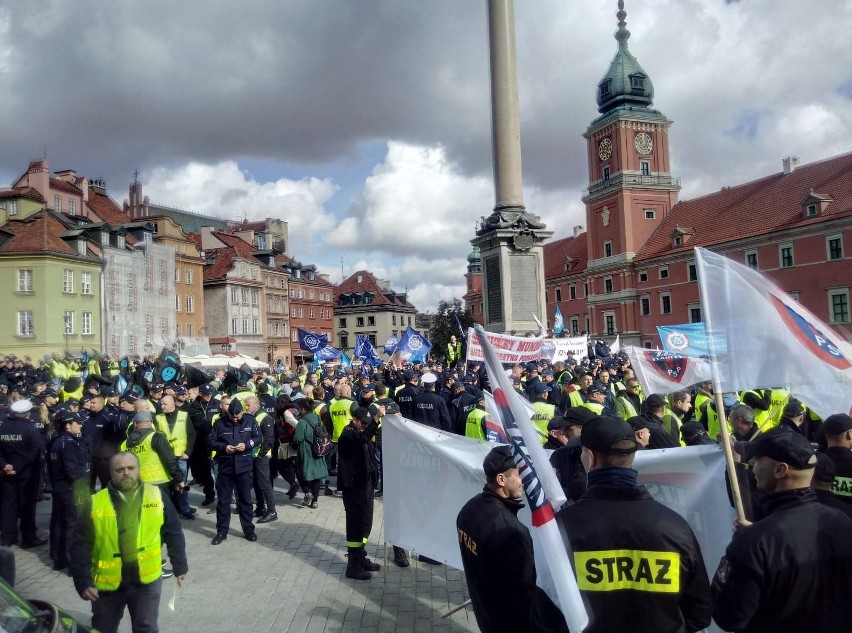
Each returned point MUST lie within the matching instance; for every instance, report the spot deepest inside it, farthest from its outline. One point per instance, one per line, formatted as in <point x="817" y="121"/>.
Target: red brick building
<point x="633" y="269"/>
<point x="311" y="305"/>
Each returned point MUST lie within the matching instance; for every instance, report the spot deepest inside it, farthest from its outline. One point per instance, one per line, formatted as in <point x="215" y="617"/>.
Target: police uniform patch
<point x="614" y="570"/>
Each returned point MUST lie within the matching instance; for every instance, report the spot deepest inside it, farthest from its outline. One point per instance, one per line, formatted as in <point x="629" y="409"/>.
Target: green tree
<point x="444" y="325"/>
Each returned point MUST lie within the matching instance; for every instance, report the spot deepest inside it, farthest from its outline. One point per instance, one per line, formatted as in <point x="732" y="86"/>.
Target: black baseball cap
<point x="782" y="445"/>
<point x="637" y="422"/>
<point x="655" y="401"/>
<point x="837" y="424"/>
<point x="207" y="389"/>
<point x="691" y="429"/>
<point x="574" y="416"/>
<point x="595" y="388"/>
<point x="601" y="432"/>
<point x="499" y="460"/>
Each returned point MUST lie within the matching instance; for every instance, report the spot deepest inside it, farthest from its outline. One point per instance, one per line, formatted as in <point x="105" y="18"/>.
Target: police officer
<point x="234" y="440"/>
<point x="68" y="469"/>
<point x="430" y="408"/>
<point x="544" y="411"/>
<point x="638" y="564"/>
<point x="181" y="434"/>
<point x="102" y="435"/>
<point x="407" y="393"/>
<point x="263" y="491"/>
<point x="157" y="463"/>
<point x="496" y="548"/>
<point x="838" y="434"/>
<point x="357" y="479"/>
<point x="201" y="413"/>
<point x="460" y="406"/>
<point x="789" y="571"/>
<point x="21" y="452"/>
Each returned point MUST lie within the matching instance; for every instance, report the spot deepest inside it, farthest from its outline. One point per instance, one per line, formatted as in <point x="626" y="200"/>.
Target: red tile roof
<point x="240" y="246"/>
<point x="105" y="208"/>
<point x="556" y="252"/>
<point x="770" y="204"/>
<point x="61" y="185"/>
<point x="369" y="283"/>
<point x="223" y="261"/>
<point x="24" y="192"/>
<point x="39" y="233"/>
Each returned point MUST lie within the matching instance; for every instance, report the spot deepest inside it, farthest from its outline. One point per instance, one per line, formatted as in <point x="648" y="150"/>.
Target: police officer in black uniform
<point x="234" y="439"/>
<point x="356" y="478"/>
<point x="405" y="396"/>
<point x="21" y="452"/>
<point x="638" y="564"/>
<point x="496" y="548"/>
<point x="68" y="468"/>
<point x="201" y="413"/>
<point x="430" y="408"/>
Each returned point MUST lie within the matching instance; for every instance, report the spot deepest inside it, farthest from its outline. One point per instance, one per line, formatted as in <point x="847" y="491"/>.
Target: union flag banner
<point x="663" y="372"/>
<point x="772" y="340"/>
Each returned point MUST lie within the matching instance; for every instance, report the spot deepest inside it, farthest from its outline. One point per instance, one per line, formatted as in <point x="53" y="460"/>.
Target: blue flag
<point x="689" y="339"/>
<point x="366" y="352"/>
<point x="461" y="329"/>
<point x="414" y="345"/>
<point x="311" y="342"/>
<point x="345" y="361"/>
<point x="390" y="344"/>
<point x="558" y="322"/>
<point x="328" y="353"/>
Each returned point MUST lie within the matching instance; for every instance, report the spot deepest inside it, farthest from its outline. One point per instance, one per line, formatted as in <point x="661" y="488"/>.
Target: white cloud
<point x="224" y="190"/>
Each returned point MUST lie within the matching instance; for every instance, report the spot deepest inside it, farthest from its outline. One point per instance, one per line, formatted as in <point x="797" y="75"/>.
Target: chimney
<point x="789" y="164"/>
<point x="38" y="177"/>
<point x="578" y="228"/>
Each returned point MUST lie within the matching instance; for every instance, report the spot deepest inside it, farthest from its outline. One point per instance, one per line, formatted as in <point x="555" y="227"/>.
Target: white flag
<point x="616" y="346"/>
<point x="663" y="372"/>
<point x="773" y="341"/>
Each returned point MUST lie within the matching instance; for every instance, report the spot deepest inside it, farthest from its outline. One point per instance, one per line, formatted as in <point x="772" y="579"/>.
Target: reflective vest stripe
<point x="106" y="553"/>
<point x="340" y="416"/>
<point x="151" y="469"/>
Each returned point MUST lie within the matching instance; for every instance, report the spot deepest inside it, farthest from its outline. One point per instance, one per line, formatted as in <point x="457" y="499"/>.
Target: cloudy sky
<point x="366" y="123"/>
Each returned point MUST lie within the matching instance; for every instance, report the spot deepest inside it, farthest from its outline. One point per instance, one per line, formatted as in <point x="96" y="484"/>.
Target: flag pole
<point x="717" y="391"/>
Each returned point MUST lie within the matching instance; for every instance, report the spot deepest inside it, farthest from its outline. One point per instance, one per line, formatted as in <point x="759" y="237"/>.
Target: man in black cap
<point x="654" y="408"/>
<point x="789" y="571"/>
<point x="68" y="468"/>
<point x="357" y="479"/>
<point x="823" y="482"/>
<point x="201" y="413"/>
<point x="637" y="562"/>
<point x="838" y="435"/>
<point x="640" y="430"/>
<point x="234" y="441"/>
<point x="407" y="393"/>
<point x="566" y="460"/>
<point x="496" y="548"/>
<point x="693" y="434"/>
<point x="462" y="404"/>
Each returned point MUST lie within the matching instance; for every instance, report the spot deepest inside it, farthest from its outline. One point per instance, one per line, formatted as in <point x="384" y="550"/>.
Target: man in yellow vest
<point x="181" y="433"/>
<point x="628" y="403"/>
<point x="454" y="351"/>
<point x="115" y="561"/>
<point x="544" y="411"/>
<point x="157" y="463"/>
<point x="476" y="425"/>
<point x="340" y="411"/>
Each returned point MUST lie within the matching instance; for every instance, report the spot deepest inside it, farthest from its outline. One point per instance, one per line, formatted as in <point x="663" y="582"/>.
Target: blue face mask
<point x="730" y="401"/>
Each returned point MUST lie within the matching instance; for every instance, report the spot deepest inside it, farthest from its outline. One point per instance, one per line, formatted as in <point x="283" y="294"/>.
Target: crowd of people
<point x="101" y="448"/>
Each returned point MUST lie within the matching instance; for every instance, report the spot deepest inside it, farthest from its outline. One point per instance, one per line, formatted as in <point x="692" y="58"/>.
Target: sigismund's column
<point x="510" y="238"/>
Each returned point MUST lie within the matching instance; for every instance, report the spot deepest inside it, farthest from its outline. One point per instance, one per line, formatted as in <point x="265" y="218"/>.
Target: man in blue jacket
<point x="233" y="437"/>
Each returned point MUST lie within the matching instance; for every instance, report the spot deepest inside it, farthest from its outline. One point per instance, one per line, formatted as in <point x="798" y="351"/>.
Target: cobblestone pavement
<point x="291" y="579"/>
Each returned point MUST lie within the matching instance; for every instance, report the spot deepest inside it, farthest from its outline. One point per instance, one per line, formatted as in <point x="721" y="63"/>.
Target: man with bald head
<point x="175" y="424"/>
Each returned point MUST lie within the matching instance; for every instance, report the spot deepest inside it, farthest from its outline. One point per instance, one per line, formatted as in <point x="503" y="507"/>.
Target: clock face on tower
<point x="643" y="143"/>
<point x="605" y="149"/>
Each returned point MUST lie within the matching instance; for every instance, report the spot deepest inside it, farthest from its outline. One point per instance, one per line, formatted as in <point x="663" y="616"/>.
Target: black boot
<point x="400" y="557"/>
<point x="366" y="563"/>
<point x="354" y="569"/>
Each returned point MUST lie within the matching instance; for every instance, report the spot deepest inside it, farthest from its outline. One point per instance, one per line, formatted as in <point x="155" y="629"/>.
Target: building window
<point x="694" y="314"/>
<point x="177" y="303"/>
<point x="57" y="204"/>
<point x="245" y="326"/>
<point x="72" y="207"/>
<point x="293" y="312"/>
<point x="607" y="248"/>
<point x="645" y="167"/>
<point x="68" y="281"/>
<point x="692" y="272"/>
<point x="25" y="323"/>
<point x="393" y="319"/>
<point x="839" y="305"/>
<point x="678" y="240"/>
<point x="558" y="293"/>
<point x="25" y="280"/>
<point x="292" y="293"/>
<point x="13" y="207"/>
<point x="650" y="214"/>
<point x="665" y="303"/>
<point x="409" y="320"/>
<point x="177" y="275"/>
<point x="606" y="172"/>
<point x="344" y="342"/>
<point x="585" y="288"/>
<point x="341" y="323"/>
<point x="637" y="82"/>
<point x="311" y="313"/>
<point x="811" y="211"/>
<point x="189" y="329"/>
<point x="575" y="326"/>
<point x="295" y="335"/>
<point x="359" y="322"/>
<point x="643" y="276"/>
<point x="234" y="296"/>
<point x="235" y="324"/>
<point x="255" y="297"/>
<point x="785" y="252"/>
<point x="300" y="313"/>
<point x="255" y="326"/>
<point x="188" y="276"/>
<point x="572" y="292"/>
<point x="87" y="324"/>
<point x="751" y="259"/>
<point x="834" y="243"/>
<point x="371" y="320"/>
<point x="609" y="323"/>
<point x="86" y="283"/>
<point x="119" y="241"/>
<point x="244" y="296"/>
<point x="190" y="304"/>
<point x="607" y="285"/>
<point x="645" y="306"/>
<point x="664" y="272"/>
<point x="68" y="319"/>
<point x="647" y="344"/>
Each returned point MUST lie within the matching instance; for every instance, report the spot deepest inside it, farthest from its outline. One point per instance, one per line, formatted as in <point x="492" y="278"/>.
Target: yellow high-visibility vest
<point x="177" y="435"/>
<point x="151" y="469"/>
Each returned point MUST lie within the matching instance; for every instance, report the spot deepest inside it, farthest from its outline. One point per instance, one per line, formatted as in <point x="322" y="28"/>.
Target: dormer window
<point x="814" y="204"/>
<point x="637" y="82"/>
<point x="604" y="87"/>
<point x="81" y="246"/>
<point x="681" y="236"/>
<point x="104" y="238"/>
<point x="811" y="211"/>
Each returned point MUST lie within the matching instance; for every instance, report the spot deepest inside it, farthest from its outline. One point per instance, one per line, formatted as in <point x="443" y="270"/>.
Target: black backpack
<point x="321" y="446"/>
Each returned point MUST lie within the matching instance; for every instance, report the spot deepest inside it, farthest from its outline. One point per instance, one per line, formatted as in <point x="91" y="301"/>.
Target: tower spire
<point x="622" y="35"/>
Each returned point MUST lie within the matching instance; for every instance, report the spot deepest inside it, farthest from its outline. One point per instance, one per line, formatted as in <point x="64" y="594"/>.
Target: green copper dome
<point x="474" y="261"/>
<point x="625" y="83"/>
